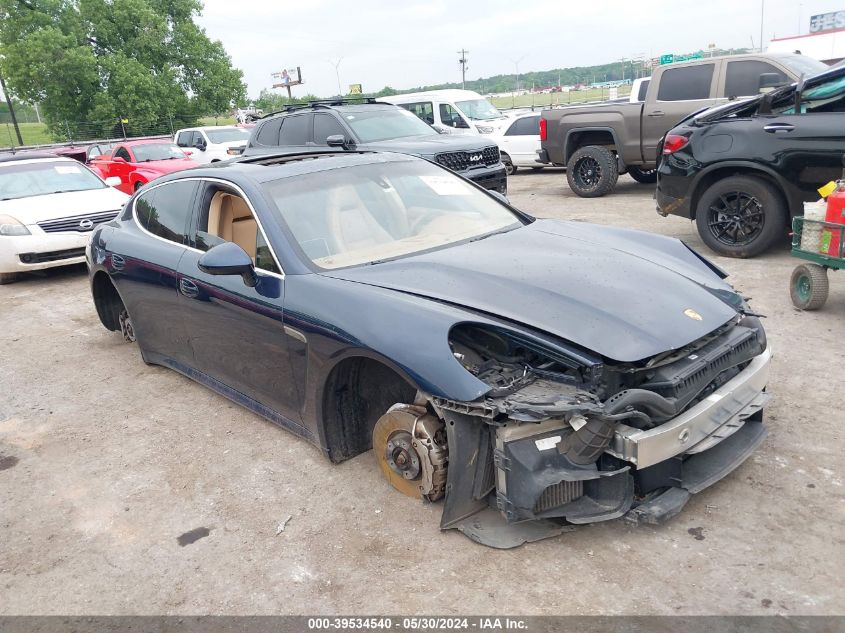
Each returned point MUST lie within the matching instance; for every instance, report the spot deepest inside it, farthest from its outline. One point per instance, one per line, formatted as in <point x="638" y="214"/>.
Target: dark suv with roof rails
<point x="367" y="125"/>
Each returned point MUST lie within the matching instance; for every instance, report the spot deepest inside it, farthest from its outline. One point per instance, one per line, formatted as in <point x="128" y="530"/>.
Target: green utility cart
<point x="822" y="245"/>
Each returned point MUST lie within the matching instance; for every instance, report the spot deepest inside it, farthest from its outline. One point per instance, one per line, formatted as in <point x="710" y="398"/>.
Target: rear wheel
<point x="643" y="176"/>
<point x="808" y="286"/>
<point x="510" y="168"/>
<point x="592" y="171"/>
<point x="7" y="278"/>
<point x="741" y="216"/>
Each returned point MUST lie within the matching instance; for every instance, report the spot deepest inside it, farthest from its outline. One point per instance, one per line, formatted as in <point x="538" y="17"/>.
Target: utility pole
<point x="463" y="62"/>
<point x="11" y="110"/>
<point x="762" y="13"/>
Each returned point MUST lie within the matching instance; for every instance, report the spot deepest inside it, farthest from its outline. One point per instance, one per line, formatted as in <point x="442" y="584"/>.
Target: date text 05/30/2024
<point x="416" y="624"/>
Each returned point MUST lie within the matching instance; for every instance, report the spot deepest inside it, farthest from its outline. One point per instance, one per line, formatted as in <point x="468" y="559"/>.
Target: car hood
<point x="63" y="205"/>
<point x="624" y="294"/>
<point x="430" y="145"/>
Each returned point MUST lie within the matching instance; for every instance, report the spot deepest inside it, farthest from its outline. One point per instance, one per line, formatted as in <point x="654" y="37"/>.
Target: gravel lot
<point x="105" y="462"/>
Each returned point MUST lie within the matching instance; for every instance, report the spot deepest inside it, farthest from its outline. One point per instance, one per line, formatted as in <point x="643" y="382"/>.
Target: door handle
<point x="773" y="128"/>
<point x="188" y="288"/>
<point x="656" y="113"/>
<point x="117" y="262"/>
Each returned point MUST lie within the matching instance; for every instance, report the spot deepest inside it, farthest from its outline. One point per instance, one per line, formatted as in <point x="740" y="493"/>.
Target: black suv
<point x="742" y="169"/>
<point x="369" y="125"/>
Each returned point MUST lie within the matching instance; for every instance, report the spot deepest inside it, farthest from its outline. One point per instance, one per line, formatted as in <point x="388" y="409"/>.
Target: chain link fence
<point x="34" y="133"/>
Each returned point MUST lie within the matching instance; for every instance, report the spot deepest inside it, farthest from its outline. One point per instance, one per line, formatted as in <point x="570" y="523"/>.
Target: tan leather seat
<point x="352" y="226"/>
<point x="229" y="218"/>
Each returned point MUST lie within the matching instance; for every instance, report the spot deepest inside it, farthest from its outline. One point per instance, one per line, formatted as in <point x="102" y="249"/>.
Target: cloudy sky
<point x="407" y="43"/>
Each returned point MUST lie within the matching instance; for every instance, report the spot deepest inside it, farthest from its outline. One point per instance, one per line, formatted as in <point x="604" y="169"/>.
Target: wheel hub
<point x="736" y="219"/>
<point x="410" y="446"/>
<point x="400" y="455"/>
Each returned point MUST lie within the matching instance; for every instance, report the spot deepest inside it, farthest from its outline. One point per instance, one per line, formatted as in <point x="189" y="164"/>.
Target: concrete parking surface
<point x="106" y="462"/>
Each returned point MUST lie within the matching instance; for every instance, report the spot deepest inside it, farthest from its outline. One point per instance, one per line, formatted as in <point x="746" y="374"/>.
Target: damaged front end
<point x="566" y="437"/>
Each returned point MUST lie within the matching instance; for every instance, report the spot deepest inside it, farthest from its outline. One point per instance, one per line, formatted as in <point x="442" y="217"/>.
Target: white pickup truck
<point x="212" y="143"/>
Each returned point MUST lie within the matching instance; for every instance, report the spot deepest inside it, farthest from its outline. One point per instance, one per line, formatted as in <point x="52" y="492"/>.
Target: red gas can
<point x="832" y="237"/>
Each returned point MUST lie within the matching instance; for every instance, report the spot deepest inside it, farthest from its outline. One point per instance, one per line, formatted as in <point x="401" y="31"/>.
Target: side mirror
<point x="200" y="144"/>
<point x="113" y="181"/>
<point x="499" y="196"/>
<point x="337" y="140"/>
<point x="229" y="259"/>
<point x="770" y="81"/>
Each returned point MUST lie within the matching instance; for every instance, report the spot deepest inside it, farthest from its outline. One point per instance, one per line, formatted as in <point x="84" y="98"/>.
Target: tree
<point x="99" y="61"/>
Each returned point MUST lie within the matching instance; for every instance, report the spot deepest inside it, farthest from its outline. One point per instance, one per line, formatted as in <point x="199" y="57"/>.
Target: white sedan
<point x="48" y="208"/>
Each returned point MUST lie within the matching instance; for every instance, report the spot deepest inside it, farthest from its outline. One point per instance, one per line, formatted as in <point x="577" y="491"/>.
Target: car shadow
<point x="48" y="275"/>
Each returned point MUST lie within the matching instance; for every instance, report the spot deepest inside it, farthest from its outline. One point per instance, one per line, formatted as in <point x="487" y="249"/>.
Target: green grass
<point x="556" y="98"/>
<point x="223" y="120"/>
<point x="39" y="134"/>
<point x="32" y="133"/>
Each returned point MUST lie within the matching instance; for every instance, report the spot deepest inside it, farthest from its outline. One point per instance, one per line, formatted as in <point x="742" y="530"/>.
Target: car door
<point x="522" y="140"/>
<point x="121" y="168"/>
<point x="676" y="93"/>
<point x="144" y="263"/>
<point x="236" y="332"/>
<point x="810" y="145"/>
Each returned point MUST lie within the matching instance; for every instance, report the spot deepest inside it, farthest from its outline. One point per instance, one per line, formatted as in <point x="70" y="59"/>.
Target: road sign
<point x="669" y="59"/>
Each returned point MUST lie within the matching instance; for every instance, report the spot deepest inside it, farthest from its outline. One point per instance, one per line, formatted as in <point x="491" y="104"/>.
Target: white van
<point x="452" y="111"/>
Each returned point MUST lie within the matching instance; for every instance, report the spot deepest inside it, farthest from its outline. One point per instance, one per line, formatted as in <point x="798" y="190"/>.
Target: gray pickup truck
<point x="598" y="142"/>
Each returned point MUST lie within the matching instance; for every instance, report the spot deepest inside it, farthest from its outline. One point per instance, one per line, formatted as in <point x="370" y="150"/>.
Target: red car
<point x="138" y="162"/>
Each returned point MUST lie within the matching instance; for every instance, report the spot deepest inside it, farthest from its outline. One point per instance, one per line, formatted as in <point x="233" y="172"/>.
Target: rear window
<point x="165" y="210"/>
<point x="686" y="84"/>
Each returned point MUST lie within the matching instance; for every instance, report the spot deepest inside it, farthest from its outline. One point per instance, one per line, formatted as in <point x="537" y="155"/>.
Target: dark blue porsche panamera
<point x="534" y="373"/>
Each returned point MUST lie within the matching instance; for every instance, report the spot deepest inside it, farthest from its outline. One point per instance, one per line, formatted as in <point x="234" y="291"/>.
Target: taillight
<point x="543" y="133"/>
<point x="673" y="142"/>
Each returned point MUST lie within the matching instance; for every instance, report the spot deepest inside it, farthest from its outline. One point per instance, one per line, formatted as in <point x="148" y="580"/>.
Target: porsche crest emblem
<point x="695" y="316"/>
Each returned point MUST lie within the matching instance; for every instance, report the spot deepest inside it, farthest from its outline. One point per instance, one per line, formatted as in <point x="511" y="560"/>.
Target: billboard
<point x="288" y="77"/>
<point x="827" y="21"/>
<point x="355" y="89"/>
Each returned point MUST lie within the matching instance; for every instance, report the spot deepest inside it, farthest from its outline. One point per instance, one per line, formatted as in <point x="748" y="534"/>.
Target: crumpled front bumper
<point x="647" y="476"/>
<point x="701" y="427"/>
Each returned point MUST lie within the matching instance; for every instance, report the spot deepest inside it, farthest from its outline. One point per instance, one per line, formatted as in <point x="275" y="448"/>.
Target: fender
<point x="568" y="151"/>
<point x="793" y="201"/>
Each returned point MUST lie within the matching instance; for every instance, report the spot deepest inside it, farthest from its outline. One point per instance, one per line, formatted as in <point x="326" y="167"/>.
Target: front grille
<point x="558" y="494"/>
<point x="77" y="223"/>
<point x="51" y="256"/>
<point x="461" y="161"/>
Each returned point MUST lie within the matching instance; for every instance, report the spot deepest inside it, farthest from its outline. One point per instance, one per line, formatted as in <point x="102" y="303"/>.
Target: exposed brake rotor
<point x="410" y="446"/>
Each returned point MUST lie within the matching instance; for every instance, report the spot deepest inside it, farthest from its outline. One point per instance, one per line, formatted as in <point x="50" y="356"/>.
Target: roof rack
<point x="324" y="103"/>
